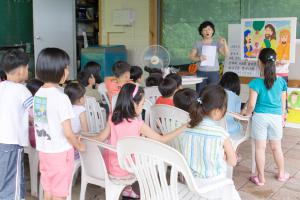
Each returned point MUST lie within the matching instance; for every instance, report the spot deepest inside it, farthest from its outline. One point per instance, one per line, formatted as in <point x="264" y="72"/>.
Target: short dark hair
<point x="204" y="25"/>
<point x="124" y="109"/>
<point x="95" y="69"/>
<point x="34" y="85"/>
<point x="3" y="76"/>
<point x="83" y="77"/>
<point x="120" y="67"/>
<point x="74" y="91"/>
<point x="183" y="98"/>
<point x="176" y="77"/>
<point x="51" y="64"/>
<point x="13" y="59"/>
<point x="230" y="81"/>
<point x="154" y="79"/>
<point x="212" y="97"/>
<point x="135" y="73"/>
<point x="167" y="87"/>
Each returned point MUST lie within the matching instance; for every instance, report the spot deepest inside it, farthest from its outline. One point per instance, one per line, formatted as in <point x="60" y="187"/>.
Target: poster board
<point x="276" y="33"/>
<point x="233" y="62"/>
<point x="293" y="117"/>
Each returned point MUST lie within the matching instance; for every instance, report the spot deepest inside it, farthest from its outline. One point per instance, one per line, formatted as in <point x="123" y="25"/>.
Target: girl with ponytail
<point x="205" y="145"/>
<point x="123" y="122"/>
<point x="268" y="101"/>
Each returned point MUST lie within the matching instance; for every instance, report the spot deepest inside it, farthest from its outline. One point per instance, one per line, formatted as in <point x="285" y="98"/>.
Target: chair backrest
<point x="147" y="160"/>
<point x="103" y="94"/>
<point x="165" y="118"/>
<point x="152" y="93"/>
<point x="146" y="108"/>
<point x="92" y="162"/>
<point x="96" y="116"/>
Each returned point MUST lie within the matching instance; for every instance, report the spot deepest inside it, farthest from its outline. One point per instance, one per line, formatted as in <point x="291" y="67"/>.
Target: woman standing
<point x="207" y="31"/>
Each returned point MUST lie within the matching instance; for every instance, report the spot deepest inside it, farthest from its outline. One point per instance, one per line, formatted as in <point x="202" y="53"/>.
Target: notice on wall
<point x="233" y="62"/>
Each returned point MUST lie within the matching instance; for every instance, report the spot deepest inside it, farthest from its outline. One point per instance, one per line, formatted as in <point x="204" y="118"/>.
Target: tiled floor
<point x="272" y="190"/>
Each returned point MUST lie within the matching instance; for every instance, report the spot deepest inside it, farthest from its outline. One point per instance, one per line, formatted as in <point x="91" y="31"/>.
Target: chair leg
<point x="83" y="189"/>
<point x="33" y="168"/>
<point x="229" y="172"/>
<point x="112" y="191"/>
<point x="253" y="169"/>
<point x="41" y="191"/>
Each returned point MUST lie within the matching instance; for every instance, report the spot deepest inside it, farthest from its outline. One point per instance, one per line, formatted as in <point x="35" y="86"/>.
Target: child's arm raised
<point x="229" y="153"/>
<point x="83" y="122"/>
<point x="71" y="137"/>
<point x="150" y="133"/>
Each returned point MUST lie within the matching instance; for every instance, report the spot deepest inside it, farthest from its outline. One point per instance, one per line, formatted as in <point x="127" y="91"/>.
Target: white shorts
<point x="266" y="126"/>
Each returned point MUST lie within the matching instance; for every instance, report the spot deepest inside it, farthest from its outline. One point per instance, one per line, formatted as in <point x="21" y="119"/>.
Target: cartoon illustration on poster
<point x="276" y="33"/>
<point x="293" y="118"/>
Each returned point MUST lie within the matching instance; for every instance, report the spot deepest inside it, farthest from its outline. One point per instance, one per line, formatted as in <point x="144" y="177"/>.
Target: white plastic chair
<point x="94" y="171"/>
<point x="96" y="115"/>
<point x="152" y="93"/>
<point x="33" y="168"/>
<point x="147" y="159"/>
<point x="165" y="118"/>
<point x="103" y="93"/>
<point x="240" y="138"/>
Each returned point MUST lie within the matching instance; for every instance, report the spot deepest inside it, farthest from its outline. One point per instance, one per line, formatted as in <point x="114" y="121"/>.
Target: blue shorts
<point x="12" y="184"/>
<point x="266" y="126"/>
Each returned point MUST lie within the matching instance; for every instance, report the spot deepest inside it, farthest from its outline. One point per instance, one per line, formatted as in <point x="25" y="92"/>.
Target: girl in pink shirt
<point x="124" y="122"/>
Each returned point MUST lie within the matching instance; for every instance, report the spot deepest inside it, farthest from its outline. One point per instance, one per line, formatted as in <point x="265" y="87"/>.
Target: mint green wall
<point x="181" y="18"/>
<point x="16" y="23"/>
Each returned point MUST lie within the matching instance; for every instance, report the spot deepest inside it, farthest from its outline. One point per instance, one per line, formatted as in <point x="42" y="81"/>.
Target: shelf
<point x="86" y="20"/>
<point x="87" y="5"/>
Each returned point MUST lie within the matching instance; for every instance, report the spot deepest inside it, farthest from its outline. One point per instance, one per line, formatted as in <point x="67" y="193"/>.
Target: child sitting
<point x="15" y="102"/>
<point x="183" y="98"/>
<point x="154" y="79"/>
<point x="88" y="80"/>
<point x="33" y="86"/>
<point x="136" y="74"/>
<point x="121" y="71"/>
<point x="75" y="92"/>
<point x="207" y="146"/>
<point x="231" y="83"/>
<point x="167" y="88"/>
<point x="123" y="122"/>
<point x="2" y="75"/>
<point x="177" y="78"/>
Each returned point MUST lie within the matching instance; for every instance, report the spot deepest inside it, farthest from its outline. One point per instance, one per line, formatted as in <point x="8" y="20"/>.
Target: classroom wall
<point x="135" y="37"/>
<point x="180" y="19"/>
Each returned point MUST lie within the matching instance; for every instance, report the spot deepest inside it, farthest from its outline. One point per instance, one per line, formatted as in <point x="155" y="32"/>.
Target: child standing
<point x="205" y="143"/>
<point x="167" y="89"/>
<point x="124" y="122"/>
<point x="231" y="83"/>
<point x="52" y="119"/>
<point x="33" y="86"/>
<point x="15" y="102"/>
<point x="268" y="100"/>
<point x="121" y="71"/>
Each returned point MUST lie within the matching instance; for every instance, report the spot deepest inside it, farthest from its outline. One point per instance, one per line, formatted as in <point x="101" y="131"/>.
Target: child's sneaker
<point x="128" y="193"/>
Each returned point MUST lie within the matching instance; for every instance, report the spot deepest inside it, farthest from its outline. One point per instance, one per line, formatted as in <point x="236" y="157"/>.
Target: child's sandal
<point x="255" y="180"/>
<point x="284" y="178"/>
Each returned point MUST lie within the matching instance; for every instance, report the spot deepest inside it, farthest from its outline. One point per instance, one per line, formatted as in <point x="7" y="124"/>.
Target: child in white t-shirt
<point x="75" y="92"/>
<point x="52" y="120"/>
<point x="15" y="102"/>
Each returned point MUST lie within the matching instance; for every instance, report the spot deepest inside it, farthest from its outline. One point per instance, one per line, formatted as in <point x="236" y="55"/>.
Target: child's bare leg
<point x="278" y="156"/>
<point x="260" y="149"/>
<point x="59" y="198"/>
<point x="47" y="196"/>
